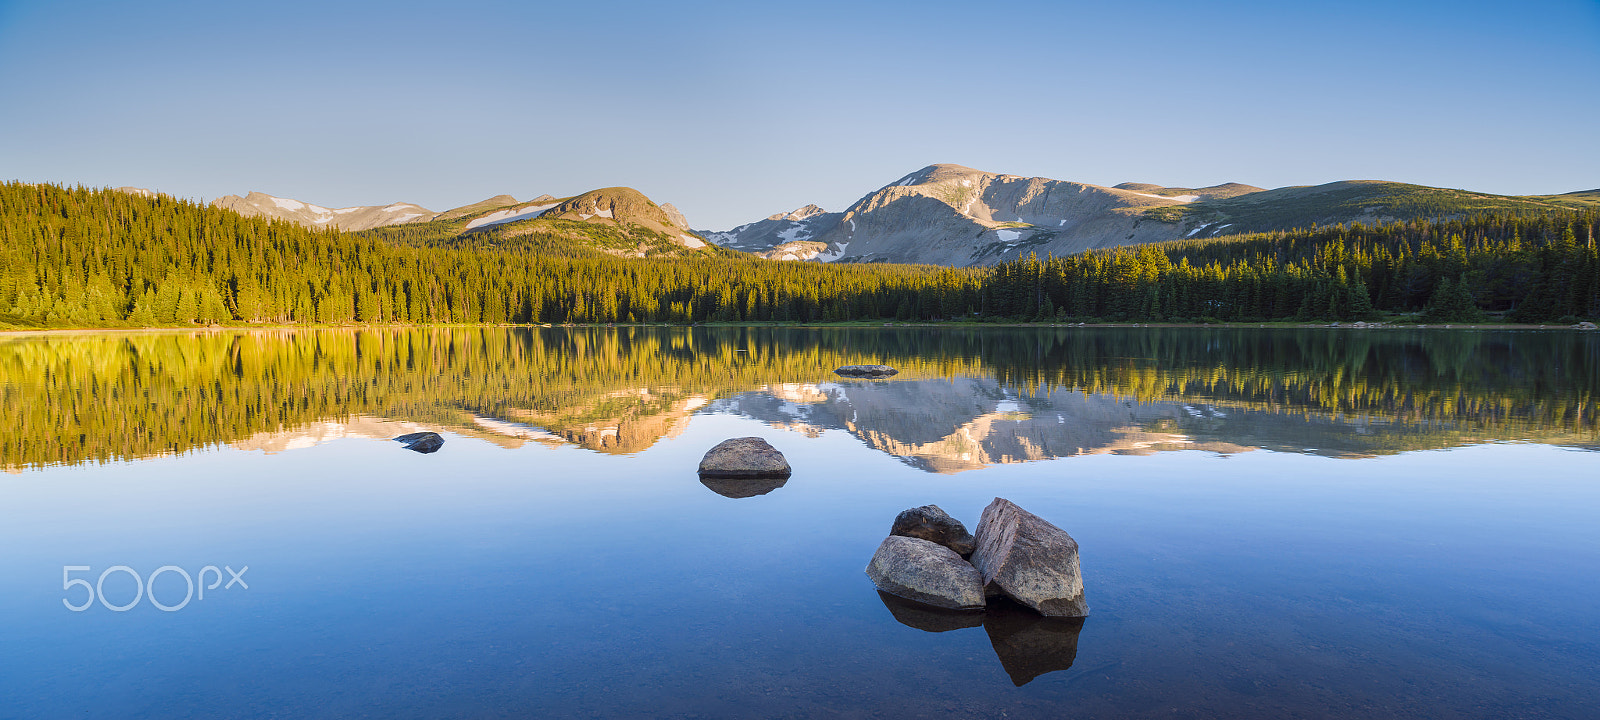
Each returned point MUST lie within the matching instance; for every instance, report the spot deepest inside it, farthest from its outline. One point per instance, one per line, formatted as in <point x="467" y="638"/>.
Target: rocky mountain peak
<point x="937" y="173"/>
<point x="675" y="215"/>
<point x="800" y="214"/>
<point x="625" y="206"/>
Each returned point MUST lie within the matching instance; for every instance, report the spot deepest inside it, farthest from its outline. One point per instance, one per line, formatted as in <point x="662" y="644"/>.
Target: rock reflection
<point x="1027" y="643"/>
<point x="742" y="487"/>
<point x="929" y="619"/>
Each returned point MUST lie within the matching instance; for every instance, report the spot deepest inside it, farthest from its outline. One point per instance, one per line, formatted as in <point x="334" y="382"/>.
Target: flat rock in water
<point x="932" y="523"/>
<point x="1030" y="560"/>
<point x="868" y="371"/>
<point x="746" y="457"/>
<point x="742" y="487"/>
<point x="929" y="619"/>
<point x="925" y="572"/>
<point x="1029" y="645"/>
<point x="422" y="442"/>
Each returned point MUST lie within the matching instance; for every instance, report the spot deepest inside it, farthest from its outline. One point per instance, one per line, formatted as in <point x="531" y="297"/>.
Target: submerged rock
<point x="422" y="442"/>
<point x="932" y="523"/>
<point x="742" y="487"/>
<point x="1030" y="560"/>
<point x="746" y="457"/>
<point x="1029" y="645"/>
<point x="927" y="573"/>
<point x="868" y="371"/>
<point x="929" y="619"/>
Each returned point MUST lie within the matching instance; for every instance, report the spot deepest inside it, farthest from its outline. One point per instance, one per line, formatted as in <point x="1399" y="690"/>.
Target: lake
<point x="1273" y="522"/>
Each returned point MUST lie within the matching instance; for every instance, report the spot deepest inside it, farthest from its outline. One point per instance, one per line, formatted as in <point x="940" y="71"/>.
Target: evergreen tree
<point x="1452" y="302"/>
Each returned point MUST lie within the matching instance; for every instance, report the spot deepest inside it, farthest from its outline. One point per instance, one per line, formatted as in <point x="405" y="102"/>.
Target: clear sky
<point x="734" y="111"/>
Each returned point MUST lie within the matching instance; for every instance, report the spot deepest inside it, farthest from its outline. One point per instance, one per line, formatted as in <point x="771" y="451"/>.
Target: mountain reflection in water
<point x="964" y="398"/>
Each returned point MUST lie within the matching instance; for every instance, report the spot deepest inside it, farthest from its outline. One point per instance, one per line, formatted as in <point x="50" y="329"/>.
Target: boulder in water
<point x="925" y="572"/>
<point x="932" y="523"/>
<point x="866" y="371"/>
<point x="422" y="442"/>
<point x="746" y="457"/>
<point x="1030" y="560"/>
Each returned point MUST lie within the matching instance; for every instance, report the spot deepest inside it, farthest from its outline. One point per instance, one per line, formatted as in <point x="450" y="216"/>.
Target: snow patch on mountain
<point x="509" y="215"/>
<point x="1178" y="198"/>
<point x="834" y="254"/>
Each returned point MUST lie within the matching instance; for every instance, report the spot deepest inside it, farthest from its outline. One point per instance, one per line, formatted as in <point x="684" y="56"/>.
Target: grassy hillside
<point x="1579" y="199"/>
<point x="1365" y="201"/>
<point x="614" y="221"/>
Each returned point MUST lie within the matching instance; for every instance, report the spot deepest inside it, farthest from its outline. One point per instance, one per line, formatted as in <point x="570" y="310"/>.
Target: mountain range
<point x="940" y="215"/>
<point x="617" y="220"/>
<point x="955" y="215"/>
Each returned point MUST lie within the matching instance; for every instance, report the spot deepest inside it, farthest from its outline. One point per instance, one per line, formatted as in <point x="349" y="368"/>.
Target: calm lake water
<point x="1274" y="523"/>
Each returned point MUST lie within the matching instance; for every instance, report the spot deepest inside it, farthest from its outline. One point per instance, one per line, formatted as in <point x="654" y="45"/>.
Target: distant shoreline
<point x="845" y="324"/>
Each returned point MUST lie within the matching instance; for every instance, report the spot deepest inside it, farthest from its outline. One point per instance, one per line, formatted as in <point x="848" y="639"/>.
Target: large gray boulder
<point x="1029" y="645"/>
<point x="932" y="523"/>
<point x="746" y="457"/>
<point x="422" y="442"/>
<point x="925" y="572"/>
<point x="867" y="371"/>
<point x="1030" y="560"/>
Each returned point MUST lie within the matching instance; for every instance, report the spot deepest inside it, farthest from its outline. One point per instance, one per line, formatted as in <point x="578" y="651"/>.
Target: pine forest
<point x="78" y="257"/>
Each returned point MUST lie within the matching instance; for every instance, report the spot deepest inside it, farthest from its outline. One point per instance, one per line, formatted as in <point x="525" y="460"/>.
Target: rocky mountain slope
<point x="784" y="236"/>
<point x="954" y="215"/>
<point x="361" y="217"/>
<point x="619" y="220"/>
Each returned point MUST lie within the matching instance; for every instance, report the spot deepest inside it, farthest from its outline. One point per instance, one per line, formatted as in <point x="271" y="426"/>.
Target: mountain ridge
<point x="946" y="214"/>
<point x="360" y="217"/>
<point x="617" y="220"/>
<point x="941" y="214"/>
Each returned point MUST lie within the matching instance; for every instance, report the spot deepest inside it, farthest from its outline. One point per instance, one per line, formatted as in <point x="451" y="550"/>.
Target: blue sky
<point x="734" y="111"/>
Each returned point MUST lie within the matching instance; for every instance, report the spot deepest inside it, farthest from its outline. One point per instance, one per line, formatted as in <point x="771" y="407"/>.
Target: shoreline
<point x="1341" y="325"/>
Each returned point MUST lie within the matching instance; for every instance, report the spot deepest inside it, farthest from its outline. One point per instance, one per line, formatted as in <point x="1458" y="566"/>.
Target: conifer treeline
<point x="87" y="258"/>
<point x="84" y="257"/>
<point x="1540" y="267"/>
